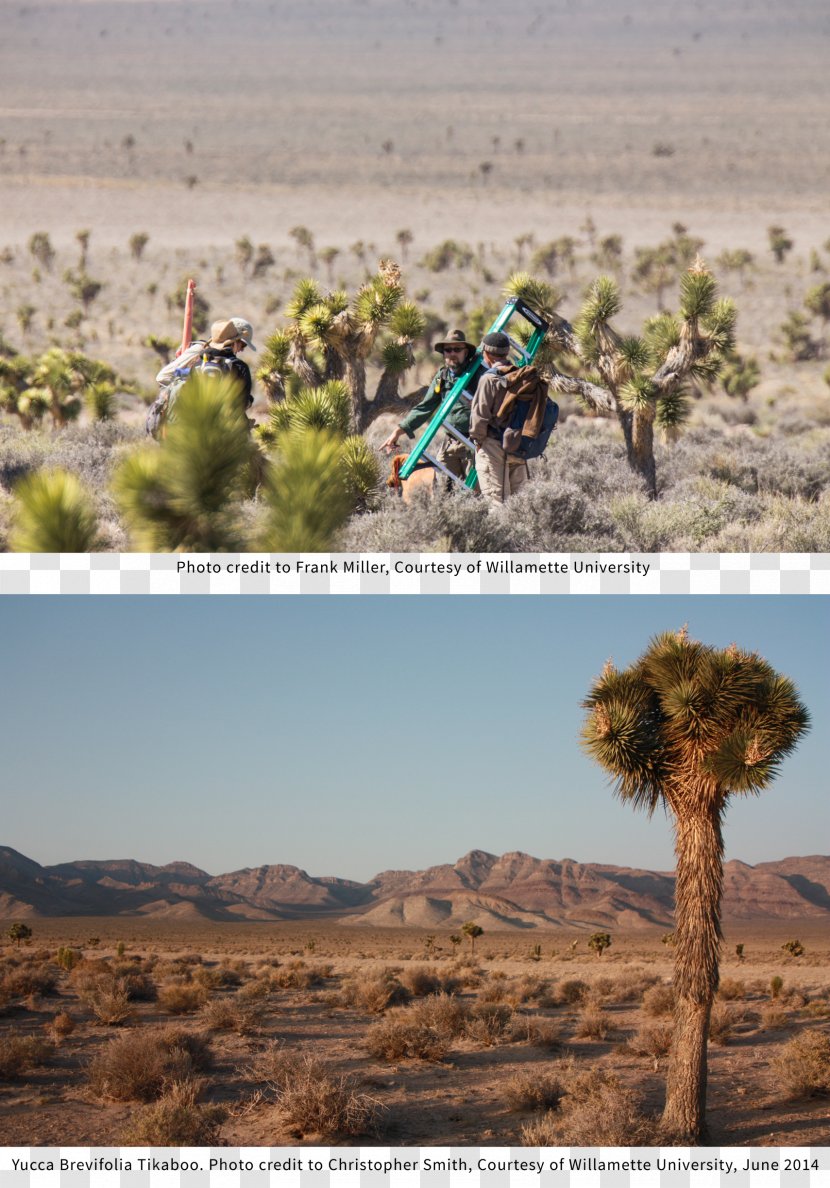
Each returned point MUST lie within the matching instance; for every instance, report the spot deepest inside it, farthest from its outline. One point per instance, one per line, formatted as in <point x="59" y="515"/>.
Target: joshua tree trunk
<point x="641" y="448"/>
<point x="356" y="379"/>
<point x="699" y="849"/>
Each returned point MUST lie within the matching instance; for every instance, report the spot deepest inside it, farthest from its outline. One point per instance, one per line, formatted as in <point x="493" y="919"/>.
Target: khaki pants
<point x="499" y="475"/>
<point x="454" y="455"/>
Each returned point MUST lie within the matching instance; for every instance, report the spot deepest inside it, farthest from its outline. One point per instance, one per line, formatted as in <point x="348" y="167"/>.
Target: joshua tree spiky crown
<point x="640" y="379"/>
<point x="331" y="335"/>
<point x="686" y="727"/>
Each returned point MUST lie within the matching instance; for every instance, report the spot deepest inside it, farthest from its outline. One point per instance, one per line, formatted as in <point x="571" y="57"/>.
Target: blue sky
<point x="352" y="735"/>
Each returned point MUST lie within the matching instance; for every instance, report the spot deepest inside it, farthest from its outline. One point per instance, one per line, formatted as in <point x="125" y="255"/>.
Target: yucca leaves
<point x="306" y="294"/>
<point x="539" y="295"/>
<point x="54" y="514"/>
<point x="698" y="290"/>
<point x="685" y="715"/>
<point x="672" y="411"/>
<point x="305" y="494"/>
<point x="407" y="321"/>
<point x="637" y="394"/>
<point x="361" y="470"/>
<point x="396" y="357"/>
<point x="186" y="494"/>
<point x="602" y="302"/>
<point x="376" y="302"/>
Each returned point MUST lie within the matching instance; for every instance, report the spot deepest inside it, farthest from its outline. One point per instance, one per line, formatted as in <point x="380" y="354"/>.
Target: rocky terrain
<point x="514" y="891"/>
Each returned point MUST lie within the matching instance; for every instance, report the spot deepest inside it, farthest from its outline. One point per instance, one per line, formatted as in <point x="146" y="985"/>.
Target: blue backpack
<point x="528" y="447"/>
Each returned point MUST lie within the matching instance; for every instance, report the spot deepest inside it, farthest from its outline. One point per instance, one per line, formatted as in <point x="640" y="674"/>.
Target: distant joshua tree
<point x="83" y="238"/>
<point x="794" y="948"/>
<point x="404" y="238"/>
<point x="137" y="243"/>
<point x="598" y="942"/>
<point x="19" y="932"/>
<point x="40" y="247"/>
<point x="473" y="931"/>
<point x="780" y="243"/>
<point x="684" y="728"/>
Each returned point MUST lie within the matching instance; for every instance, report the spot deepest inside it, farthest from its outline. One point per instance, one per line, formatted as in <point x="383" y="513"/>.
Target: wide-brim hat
<point x="454" y="338"/>
<point x="228" y="331"/>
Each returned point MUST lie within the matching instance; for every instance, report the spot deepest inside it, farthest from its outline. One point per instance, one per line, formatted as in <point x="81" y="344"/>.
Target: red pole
<point x="187" y="329"/>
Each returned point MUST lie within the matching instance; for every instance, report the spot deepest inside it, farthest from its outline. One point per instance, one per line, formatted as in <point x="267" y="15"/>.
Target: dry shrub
<point x="596" y="1111"/>
<point x="571" y="991"/>
<point x="774" y="1018"/>
<point x="62" y="1025"/>
<point x="533" y="1091"/>
<point x="229" y="1015"/>
<point x="139" y="1065"/>
<point x="721" y="1024"/>
<point x="299" y="976"/>
<point x="276" y="1065"/>
<point x="442" y="1013"/>
<point x="139" y="985"/>
<point x="659" y="1000"/>
<point x="541" y="1132"/>
<point x="315" y="1100"/>
<point x="493" y="991"/>
<point x="731" y="989"/>
<point x="488" y="1023"/>
<point x="653" y="1040"/>
<point x="528" y="989"/>
<point x="181" y="998"/>
<point x="374" y="994"/>
<point x="593" y="1023"/>
<point x="630" y="987"/>
<point x="538" y="1033"/>
<point x="29" y="979"/>
<point x="400" y="1036"/>
<point x="109" y="1000"/>
<point x="21" y="1052"/>
<point x="254" y="991"/>
<point x="176" y="1119"/>
<point x="419" y="981"/>
<point x="803" y="1065"/>
<point x="817" y="1009"/>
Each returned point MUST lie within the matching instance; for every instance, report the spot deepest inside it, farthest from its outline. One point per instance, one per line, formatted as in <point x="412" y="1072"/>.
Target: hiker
<point x="228" y="338"/>
<point x="510" y="409"/>
<point x="458" y="355"/>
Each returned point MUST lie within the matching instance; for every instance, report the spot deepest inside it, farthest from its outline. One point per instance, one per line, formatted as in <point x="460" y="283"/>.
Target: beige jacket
<point x="487" y="401"/>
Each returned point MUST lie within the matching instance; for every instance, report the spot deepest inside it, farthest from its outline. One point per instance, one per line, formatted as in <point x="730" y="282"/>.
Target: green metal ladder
<point x="521" y="355"/>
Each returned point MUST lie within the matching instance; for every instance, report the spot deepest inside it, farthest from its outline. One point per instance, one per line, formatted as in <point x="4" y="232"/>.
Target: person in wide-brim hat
<point x="455" y="338"/>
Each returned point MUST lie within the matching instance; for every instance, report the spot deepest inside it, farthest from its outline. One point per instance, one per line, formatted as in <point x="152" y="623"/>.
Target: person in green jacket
<point x="458" y="354"/>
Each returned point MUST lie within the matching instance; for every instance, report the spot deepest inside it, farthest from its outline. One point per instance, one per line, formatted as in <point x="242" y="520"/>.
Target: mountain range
<point x="511" y="891"/>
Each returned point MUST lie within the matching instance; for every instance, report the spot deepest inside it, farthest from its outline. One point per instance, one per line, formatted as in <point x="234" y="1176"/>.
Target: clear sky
<point x="352" y="735"/>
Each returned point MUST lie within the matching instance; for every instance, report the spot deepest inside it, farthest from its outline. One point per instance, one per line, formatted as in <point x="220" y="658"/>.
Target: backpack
<point x="513" y="443"/>
<point x="161" y="410"/>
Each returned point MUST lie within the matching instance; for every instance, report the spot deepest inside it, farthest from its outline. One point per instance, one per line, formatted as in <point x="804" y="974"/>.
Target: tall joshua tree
<point x="686" y="727"/>
<point x="639" y="379"/>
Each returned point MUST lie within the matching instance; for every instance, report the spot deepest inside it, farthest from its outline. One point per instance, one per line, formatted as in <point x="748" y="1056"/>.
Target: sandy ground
<point x="461" y="1099"/>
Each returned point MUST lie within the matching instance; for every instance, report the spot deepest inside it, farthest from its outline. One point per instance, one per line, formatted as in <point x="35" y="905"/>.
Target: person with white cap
<point x="228" y="338"/>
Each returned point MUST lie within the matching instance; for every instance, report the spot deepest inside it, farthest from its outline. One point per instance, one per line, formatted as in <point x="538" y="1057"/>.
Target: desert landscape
<point x="484" y="1023"/>
<point x="621" y="144"/>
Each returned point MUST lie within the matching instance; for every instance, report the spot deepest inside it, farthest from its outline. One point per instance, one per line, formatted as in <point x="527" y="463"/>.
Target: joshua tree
<point x="817" y="301"/>
<point x="599" y="942"/>
<point x="642" y="380"/>
<point x="40" y="246"/>
<point x="82" y="287"/>
<point x="779" y="243"/>
<point x="138" y="242"/>
<point x="331" y="337"/>
<point x="794" y="948"/>
<point x="25" y="316"/>
<point x="244" y="252"/>
<point x="305" y="242"/>
<point x="739" y="952"/>
<point x="328" y="255"/>
<point x="263" y="261"/>
<point x="472" y="930"/>
<point x="404" y="238"/>
<point x="740" y="374"/>
<point x="83" y="238"/>
<point x="684" y="728"/>
<point x="19" y="932"/>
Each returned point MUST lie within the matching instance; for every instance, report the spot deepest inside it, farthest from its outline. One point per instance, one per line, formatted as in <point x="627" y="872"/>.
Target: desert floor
<point x="506" y="1020"/>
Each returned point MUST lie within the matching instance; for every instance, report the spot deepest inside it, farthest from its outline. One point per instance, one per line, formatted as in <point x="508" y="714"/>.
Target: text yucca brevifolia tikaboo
<point x="687" y="726"/>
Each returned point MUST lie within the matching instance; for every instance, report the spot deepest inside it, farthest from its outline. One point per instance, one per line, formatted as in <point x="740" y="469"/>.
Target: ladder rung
<point x="440" y="466"/>
<point x="459" y="436"/>
<point x="518" y="347"/>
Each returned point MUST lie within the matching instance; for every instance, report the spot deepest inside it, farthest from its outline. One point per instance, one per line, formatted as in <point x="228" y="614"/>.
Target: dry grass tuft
<point x="659" y="1000"/>
<point x="176" y="1119"/>
<point x="108" y="999"/>
<point x="139" y="1065"/>
<point x="181" y="998"/>
<point x="533" y="1091"/>
<point x="596" y="1111"/>
<point x="374" y="994"/>
<point x="488" y="1023"/>
<point x="18" y="1053"/>
<point x="229" y="1014"/>
<point x="401" y="1035"/>
<point x="731" y="990"/>
<point x="593" y="1023"/>
<point x="803" y="1065"/>
<point x="317" y="1101"/>
<point x="537" y="1033"/>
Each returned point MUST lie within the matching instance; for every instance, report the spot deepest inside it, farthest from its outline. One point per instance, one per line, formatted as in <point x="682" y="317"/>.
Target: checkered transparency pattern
<point x="415" y="573"/>
<point x="436" y="1167"/>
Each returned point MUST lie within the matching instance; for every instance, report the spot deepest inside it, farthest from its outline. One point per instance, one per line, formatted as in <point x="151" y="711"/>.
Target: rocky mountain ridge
<point x="514" y="890"/>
